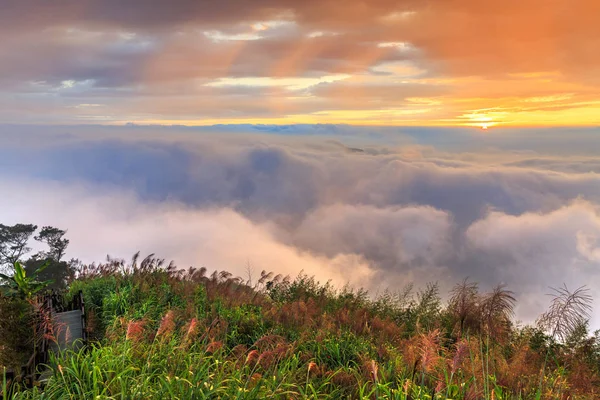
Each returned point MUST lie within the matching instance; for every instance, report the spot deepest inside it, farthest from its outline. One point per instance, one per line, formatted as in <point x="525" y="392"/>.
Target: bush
<point x="15" y="326"/>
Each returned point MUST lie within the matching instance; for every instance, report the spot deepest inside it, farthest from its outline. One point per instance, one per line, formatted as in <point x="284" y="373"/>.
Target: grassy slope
<point x="165" y="334"/>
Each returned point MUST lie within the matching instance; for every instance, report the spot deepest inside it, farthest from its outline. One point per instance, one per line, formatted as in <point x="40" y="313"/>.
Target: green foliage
<point x="246" y="325"/>
<point x="13" y="242"/>
<point x="94" y="292"/>
<point x="165" y="333"/>
<point x="46" y="265"/>
<point x="22" y="285"/>
<point x="57" y="243"/>
<point x="15" y="328"/>
<point x="59" y="272"/>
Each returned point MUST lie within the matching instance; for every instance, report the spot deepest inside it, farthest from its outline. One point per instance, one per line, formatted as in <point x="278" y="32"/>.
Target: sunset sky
<point x="378" y="62"/>
<point x="339" y="138"/>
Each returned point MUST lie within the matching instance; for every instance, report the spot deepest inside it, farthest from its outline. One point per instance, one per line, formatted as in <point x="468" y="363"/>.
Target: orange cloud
<point x="514" y="62"/>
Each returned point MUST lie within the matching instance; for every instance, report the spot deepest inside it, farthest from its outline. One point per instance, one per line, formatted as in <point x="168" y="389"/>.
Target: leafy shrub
<point x="15" y="327"/>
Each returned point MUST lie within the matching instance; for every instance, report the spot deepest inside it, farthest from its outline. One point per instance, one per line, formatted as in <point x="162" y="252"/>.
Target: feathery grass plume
<point x="213" y="347"/>
<point x="237" y="353"/>
<point x="269" y="342"/>
<point x="373" y="369"/>
<point x="267" y="359"/>
<point x="464" y="303"/>
<point x="406" y="386"/>
<point x="167" y="324"/>
<point x="567" y="311"/>
<point x="192" y="330"/>
<point x="313" y="369"/>
<point x="411" y="353"/>
<point x="48" y="328"/>
<point x="462" y="350"/>
<point x="439" y="387"/>
<point x="200" y="274"/>
<point x="473" y="394"/>
<point x="270" y="358"/>
<point x="344" y="379"/>
<point x="430" y="347"/>
<point x="497" y="309"/>
<point x="254" y="379"/>
<point x="264" y="278"/>
<point x="135" y="331"/>
<point x="252" y="357"/>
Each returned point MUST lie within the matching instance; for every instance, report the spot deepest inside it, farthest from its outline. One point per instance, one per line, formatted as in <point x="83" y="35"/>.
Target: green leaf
<point x="498" y="393"/>
<point x="41" y="268"/>
<point x="20" y="274"/>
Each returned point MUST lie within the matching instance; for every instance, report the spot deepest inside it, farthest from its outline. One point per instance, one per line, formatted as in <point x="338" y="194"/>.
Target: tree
<point x="55" y="240"/>
<point x="55" y="270"/>
<point x="13" y="242"/>
<point x="428" y="305"/>
<point x="59" y="272"/>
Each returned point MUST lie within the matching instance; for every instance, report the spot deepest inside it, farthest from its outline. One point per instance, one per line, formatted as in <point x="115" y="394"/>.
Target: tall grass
<point x="165" y="333"/>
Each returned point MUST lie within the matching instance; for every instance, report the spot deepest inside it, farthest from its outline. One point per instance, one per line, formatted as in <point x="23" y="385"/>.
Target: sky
<point x="379" y="62"/>
<point x="373" y="143"/>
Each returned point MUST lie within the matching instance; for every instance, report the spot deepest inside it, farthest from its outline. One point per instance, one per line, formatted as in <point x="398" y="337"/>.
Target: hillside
<point x="162" y="332"/>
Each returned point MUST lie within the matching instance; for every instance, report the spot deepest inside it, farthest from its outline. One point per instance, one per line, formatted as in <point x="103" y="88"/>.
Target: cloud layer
<point x="375" y="208"/>
<point x="378" y="62"/>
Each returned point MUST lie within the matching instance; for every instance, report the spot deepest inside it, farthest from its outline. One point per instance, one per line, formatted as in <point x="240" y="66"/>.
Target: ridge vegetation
<point x="158" y="331"/>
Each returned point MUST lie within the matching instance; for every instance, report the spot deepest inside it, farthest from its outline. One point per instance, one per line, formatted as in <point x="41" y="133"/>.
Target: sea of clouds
<point x="373" y="207"/>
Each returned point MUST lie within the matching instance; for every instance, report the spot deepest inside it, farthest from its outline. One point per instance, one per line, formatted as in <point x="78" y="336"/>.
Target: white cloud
<point x="380" y="208"/>
<point x="542" y="250"/>
<point x="118" y="223"/>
